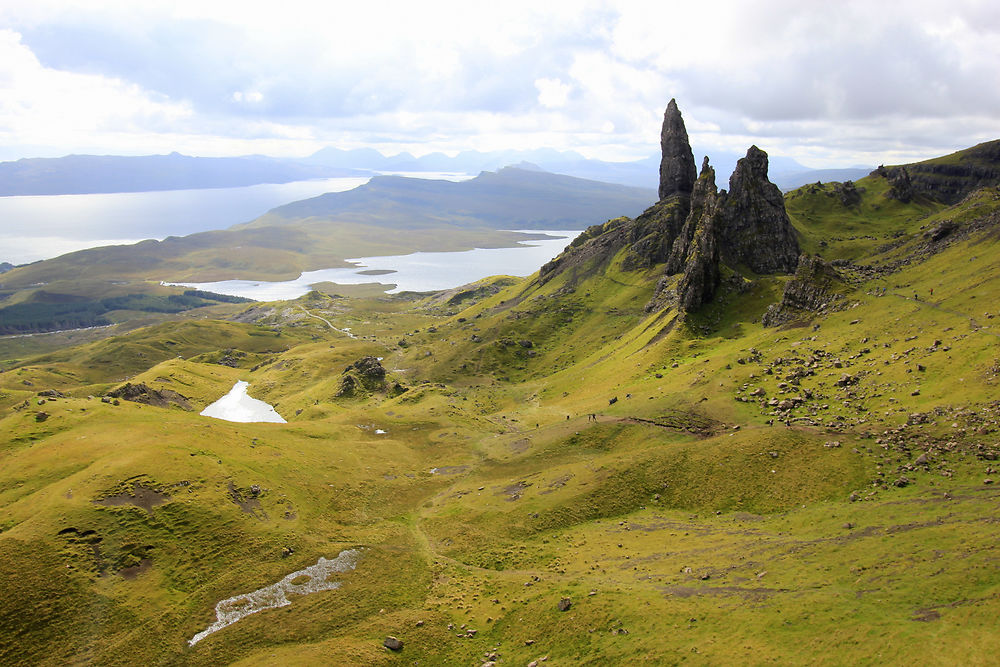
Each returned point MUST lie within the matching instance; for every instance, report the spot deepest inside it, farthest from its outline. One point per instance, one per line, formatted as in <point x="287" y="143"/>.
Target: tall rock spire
<point x="677" y="169"/>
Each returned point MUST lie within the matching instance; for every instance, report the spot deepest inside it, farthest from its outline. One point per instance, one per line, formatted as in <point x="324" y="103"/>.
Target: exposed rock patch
<point x="140" y="496"/>
<point x="141" y="393"/>
<point x="753" y="228"/>
<point x="815" y="287"/>
<point x="364" y="375"/>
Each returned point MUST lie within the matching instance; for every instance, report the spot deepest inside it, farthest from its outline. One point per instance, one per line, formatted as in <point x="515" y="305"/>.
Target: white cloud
<point x="552" y="93"/>
<point x="41" y="105"/>
<point x="828" y="82"/>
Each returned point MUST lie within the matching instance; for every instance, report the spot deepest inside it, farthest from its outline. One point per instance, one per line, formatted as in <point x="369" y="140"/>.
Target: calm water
<point x="46" y="226"/>
<point x="417" y="272"/>
<point x="238" y="406"/>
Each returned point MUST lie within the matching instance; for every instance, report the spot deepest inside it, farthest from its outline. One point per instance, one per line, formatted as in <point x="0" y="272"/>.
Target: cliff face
<point x="946" y="179"/>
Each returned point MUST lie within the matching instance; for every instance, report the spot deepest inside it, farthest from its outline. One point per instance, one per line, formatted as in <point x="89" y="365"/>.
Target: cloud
<point x="552" y="93"/>
<point x="820" y="81"/>
<point x="44" y="105"/>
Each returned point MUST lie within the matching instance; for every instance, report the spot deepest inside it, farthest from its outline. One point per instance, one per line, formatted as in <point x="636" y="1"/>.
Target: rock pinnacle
<point x="677" y="169"/>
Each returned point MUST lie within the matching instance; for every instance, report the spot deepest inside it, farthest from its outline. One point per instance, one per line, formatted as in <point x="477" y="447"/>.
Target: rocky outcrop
<point x="694" y="230"/>
<point x="949" y="179"/>
<point x="848" y="193"/>
<point x="744" y="228"/>
<point x="365" y="376"/>
<point x="900" y="185"/>
<point x="701" y="268"/>
<point x="652" y="234"/>
<point x="703" y="197"/>
<point x="142" y="393"/>
<point x="753" y="228"/>
<point x="816" y="287"/>
<point x="677" y="169"/>
<point x="369" y="371"/>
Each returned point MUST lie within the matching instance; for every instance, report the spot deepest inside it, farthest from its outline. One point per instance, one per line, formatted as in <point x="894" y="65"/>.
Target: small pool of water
<point x="237" y="406"/>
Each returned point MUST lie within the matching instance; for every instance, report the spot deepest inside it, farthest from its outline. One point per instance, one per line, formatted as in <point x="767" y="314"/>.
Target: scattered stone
<point x="51" y="393"/>
<point x="564" y="604"/>
<point x="393" y="644"/>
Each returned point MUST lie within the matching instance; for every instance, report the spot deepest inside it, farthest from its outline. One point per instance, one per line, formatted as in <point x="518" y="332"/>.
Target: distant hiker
<point x="932" y="291"/>
<point x="628" y="395"/>
<point x="567" y="417"/>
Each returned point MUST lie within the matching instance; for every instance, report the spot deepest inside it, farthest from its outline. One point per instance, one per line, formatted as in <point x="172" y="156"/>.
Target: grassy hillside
<point x="545" y="471"/>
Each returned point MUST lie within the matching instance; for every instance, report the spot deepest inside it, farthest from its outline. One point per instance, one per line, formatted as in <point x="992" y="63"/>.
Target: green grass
<point x="690" y="521"/>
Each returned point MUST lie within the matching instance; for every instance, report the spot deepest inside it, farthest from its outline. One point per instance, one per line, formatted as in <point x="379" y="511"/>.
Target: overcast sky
<point x="830" y="83"/>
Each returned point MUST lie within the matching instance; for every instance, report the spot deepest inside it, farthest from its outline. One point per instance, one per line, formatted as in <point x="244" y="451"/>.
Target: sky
<point x="831" y="83"/>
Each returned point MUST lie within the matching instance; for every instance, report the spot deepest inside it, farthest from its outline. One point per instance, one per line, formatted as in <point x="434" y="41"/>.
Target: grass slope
<point x="819" y="493"/>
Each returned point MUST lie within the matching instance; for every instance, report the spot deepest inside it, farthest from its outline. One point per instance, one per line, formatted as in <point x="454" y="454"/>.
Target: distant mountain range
<point x="82" y="174"/>
<point x="786" y="173"/>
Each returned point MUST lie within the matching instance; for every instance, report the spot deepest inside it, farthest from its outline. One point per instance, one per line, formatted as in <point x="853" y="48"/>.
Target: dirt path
<point x="976" y="326"/>
<point x="346" y="333"/>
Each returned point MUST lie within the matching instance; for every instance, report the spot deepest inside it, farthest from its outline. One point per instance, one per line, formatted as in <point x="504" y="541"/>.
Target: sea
<point x="46" y="226"/>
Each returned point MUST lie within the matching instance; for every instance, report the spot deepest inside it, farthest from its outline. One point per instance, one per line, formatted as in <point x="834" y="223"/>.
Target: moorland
<point x="738" y="428"/>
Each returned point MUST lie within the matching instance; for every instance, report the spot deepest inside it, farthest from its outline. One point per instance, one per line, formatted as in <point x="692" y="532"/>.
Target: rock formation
<point x="948" y="179"/>
<point x="900" y="186"/>
<point x="754" y="229"/>
<point x="694" y="229"/>
<point x="703" y="199"/>
<point x="141" y="393"/>
<point x="677" y="170"/>
<point x="815" y="287"/>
